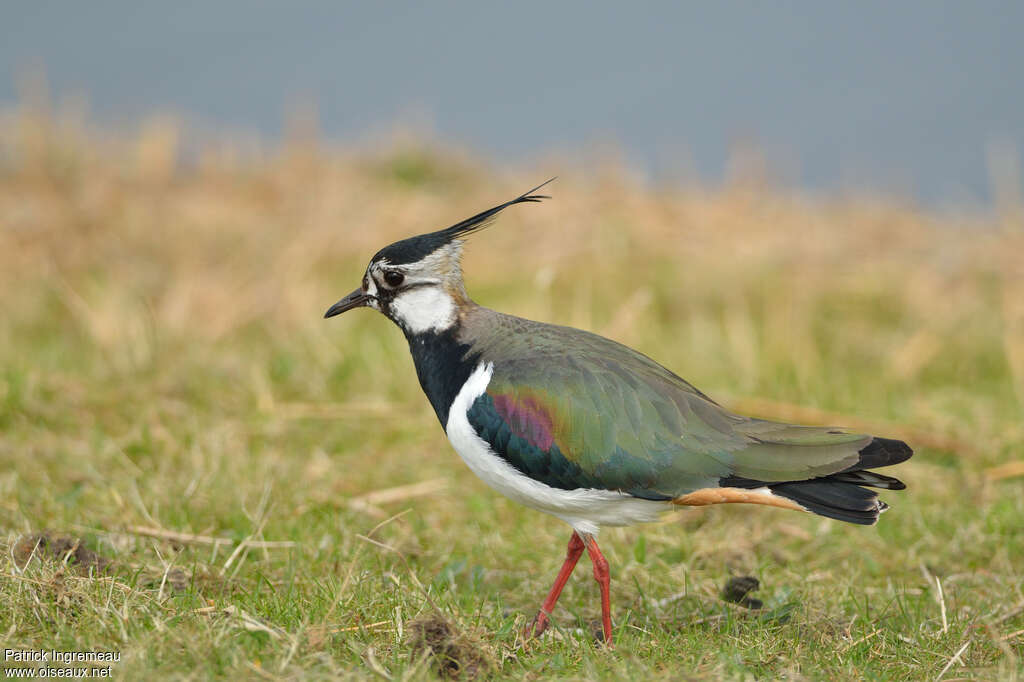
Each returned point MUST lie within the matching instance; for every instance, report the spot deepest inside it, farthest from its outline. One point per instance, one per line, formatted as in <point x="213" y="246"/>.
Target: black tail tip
<point x="883" y="452"/>
<point x="834" y="498"/>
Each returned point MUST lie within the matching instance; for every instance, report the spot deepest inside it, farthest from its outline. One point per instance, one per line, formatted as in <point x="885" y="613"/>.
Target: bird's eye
<point x="393" y="278"/>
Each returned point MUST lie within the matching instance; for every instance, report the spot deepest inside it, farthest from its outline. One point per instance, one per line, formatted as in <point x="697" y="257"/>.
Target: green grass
<point x="163" y="365"/>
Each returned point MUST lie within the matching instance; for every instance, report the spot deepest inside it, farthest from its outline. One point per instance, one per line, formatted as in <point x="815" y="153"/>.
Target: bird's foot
<point x="597" y="631"/>
<point x="537" y="627"/>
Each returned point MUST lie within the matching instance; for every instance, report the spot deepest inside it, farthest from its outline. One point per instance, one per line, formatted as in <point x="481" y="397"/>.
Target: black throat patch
<point x="443" y="364"/>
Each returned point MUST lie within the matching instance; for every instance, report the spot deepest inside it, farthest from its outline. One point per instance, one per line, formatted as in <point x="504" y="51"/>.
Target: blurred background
<point x="914" y="99"/>
<point x="812" y="211"/>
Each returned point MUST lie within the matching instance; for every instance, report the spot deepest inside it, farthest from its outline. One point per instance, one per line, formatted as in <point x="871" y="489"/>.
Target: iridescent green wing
<point x="575" y="410"/>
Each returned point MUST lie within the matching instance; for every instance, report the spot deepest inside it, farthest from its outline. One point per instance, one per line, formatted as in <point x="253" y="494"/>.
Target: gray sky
<point x="901" y="97"/>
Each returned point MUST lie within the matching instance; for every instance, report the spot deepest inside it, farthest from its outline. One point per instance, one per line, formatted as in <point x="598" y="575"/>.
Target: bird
<point x="590" y="431"/>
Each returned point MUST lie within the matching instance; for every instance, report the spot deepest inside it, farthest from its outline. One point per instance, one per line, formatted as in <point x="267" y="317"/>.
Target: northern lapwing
<point x="585" y="429"/>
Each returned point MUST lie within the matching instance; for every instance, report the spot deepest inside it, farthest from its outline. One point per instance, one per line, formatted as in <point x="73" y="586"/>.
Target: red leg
<point x="603" y="578"/>
<point x="572" y="555"/>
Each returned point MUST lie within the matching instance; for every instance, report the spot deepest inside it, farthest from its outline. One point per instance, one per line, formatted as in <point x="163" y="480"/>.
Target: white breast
<point x="585" y="509"/>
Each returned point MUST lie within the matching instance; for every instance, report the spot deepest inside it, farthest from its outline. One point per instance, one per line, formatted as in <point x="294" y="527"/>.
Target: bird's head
<point x="417" y="282"/>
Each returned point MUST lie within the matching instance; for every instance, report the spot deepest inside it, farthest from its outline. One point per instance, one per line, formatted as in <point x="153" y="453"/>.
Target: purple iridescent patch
<point x="527" y="419"/>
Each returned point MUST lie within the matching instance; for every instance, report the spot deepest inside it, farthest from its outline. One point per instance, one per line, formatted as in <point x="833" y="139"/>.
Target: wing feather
<point x="573" y="409"/>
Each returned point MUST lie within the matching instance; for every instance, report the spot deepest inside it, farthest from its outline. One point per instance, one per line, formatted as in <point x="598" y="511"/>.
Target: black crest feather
<point x="416" y="248"/>
<point x="483" y="219"/>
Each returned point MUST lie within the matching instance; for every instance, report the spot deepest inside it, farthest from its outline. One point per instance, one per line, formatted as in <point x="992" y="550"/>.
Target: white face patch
<point x="420" y="300"/>
<point x="423" y="309"/>
<point x="371" y="286"/>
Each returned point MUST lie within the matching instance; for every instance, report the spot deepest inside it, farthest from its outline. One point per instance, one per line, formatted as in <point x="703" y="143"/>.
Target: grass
<point x="230" y="486"/>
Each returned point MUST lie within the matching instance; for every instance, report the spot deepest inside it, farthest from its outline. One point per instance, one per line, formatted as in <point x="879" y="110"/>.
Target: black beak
<point x="356" y="299"/>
